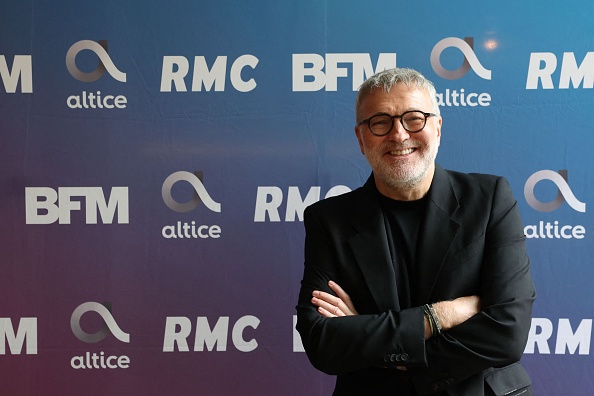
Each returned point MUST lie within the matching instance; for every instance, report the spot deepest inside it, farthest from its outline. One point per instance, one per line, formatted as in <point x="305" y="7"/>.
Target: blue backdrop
<point x="156" y="158"/>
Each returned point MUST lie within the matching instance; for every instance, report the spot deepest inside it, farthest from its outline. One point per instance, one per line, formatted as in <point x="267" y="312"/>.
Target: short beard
<point x="401" y="179"/>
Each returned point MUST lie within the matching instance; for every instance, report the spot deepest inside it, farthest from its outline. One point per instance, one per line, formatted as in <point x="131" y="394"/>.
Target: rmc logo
<point x="176" y="68"/>
<point x="543" y="64"/>
<point x="270" y="202"/>
<point x="179" y="328"/>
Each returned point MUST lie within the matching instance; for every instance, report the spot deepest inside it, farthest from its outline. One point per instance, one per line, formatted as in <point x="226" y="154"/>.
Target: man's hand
<point x="331" y="306"/>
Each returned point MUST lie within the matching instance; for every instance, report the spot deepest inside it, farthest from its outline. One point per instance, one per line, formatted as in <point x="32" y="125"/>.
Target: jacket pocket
<point x="510" y="380"/>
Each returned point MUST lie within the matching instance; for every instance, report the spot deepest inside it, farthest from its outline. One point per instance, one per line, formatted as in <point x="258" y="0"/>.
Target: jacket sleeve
<point x="345" y="344"/>
<point x="497" y="335"/>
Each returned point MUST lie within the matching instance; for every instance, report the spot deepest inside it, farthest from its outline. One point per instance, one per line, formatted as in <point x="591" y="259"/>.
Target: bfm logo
<point x="94" y="100"/>
<point x="564" y="194"/>
<point x="26" y="334"/>
<point x="44" y="205"/>
<point x="543" y="64"/>
<point x="97" y="360"/>
<point x="22" y="70"/>
<point x="313" y="72"/>
<point x="183" y="229"/>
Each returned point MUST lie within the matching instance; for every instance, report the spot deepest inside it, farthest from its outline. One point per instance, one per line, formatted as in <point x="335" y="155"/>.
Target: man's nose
<point x="398" y="133"/>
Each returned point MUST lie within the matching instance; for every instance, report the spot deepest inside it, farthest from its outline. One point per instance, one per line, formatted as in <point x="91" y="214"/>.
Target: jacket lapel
<point x="437" y="233"/>
<point x="371" y="250"/>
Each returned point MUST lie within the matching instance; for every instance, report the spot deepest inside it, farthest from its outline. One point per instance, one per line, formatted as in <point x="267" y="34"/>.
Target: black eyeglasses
<point x="412" y="121"/>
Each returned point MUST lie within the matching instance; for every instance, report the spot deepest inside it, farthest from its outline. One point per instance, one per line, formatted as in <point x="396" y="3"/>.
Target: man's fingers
<point x="324" y="296"/>
<point x="325" y="313"/>
<point x="331" y="309"/>
<point x="332" y="302"/>
<point x="339" y="305"/>
<point x="330" y="299"/>
<point x="339" y="291"/>
<point x="348" y="306"/>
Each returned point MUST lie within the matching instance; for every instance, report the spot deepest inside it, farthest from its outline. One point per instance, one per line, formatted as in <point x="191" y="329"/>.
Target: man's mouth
<point x="401" y="152"/>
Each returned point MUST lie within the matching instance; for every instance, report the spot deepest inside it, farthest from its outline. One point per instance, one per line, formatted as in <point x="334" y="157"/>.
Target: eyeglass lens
<point x="412" y="121"/>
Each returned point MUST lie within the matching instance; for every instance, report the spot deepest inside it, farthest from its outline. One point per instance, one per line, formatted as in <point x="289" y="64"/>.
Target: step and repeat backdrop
<point x="156" y="158"/>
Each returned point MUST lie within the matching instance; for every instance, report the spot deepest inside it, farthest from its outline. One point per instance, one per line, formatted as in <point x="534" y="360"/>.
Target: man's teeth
<point x="402" y="152"/>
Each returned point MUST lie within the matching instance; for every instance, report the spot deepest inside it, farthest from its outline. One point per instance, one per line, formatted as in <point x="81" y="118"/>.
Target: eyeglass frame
<point x="367" y="121"/>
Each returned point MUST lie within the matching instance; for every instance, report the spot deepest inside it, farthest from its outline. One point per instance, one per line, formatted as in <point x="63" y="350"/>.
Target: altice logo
<point x="564" y="194"/>
<point x="94" y="100"/>
<point x="190" y="229"/>
<point x="458" y="97"/>
<point x="196" y="183"/>
<point x="96" y="360"/>
<point x="466" y="46"/>
<point x="105" y="62"/>
<point x="110" y="324"/>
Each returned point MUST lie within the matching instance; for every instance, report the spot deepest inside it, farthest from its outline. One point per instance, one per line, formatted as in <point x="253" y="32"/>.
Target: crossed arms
<point x="482" y="298"/>
<point x="449" y="313"/>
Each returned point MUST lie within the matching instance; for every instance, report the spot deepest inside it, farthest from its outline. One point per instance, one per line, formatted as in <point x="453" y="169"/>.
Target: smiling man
<point x="418" y="282"/>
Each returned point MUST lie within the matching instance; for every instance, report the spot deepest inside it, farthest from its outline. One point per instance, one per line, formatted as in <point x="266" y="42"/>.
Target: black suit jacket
<point x="471" y="243"/>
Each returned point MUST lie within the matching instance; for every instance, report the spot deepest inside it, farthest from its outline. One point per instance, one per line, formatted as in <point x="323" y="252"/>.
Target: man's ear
<point x="439" y="122"/>
<point x="360" y="139"/>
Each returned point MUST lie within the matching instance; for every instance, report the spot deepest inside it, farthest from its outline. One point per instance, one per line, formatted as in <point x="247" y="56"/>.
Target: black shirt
<point x="403" y="221"/>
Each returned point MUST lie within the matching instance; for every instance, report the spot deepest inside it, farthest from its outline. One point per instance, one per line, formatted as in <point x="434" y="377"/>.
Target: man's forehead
<point x="416" y="94"/>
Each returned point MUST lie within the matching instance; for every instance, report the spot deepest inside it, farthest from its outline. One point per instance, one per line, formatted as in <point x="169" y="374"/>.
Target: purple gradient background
<point x="270" y="136"/>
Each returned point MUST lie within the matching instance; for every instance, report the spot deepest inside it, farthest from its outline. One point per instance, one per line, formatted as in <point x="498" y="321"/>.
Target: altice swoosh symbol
<point x="469" y="55"/>
<point x="198" y="187"/>
<point x="561" y="184"/>
<point x="103" y="56"/>
<point x="107" y="318"/>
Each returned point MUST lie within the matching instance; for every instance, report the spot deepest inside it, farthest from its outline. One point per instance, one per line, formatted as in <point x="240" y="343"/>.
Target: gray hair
<point x="388" y="78"/>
